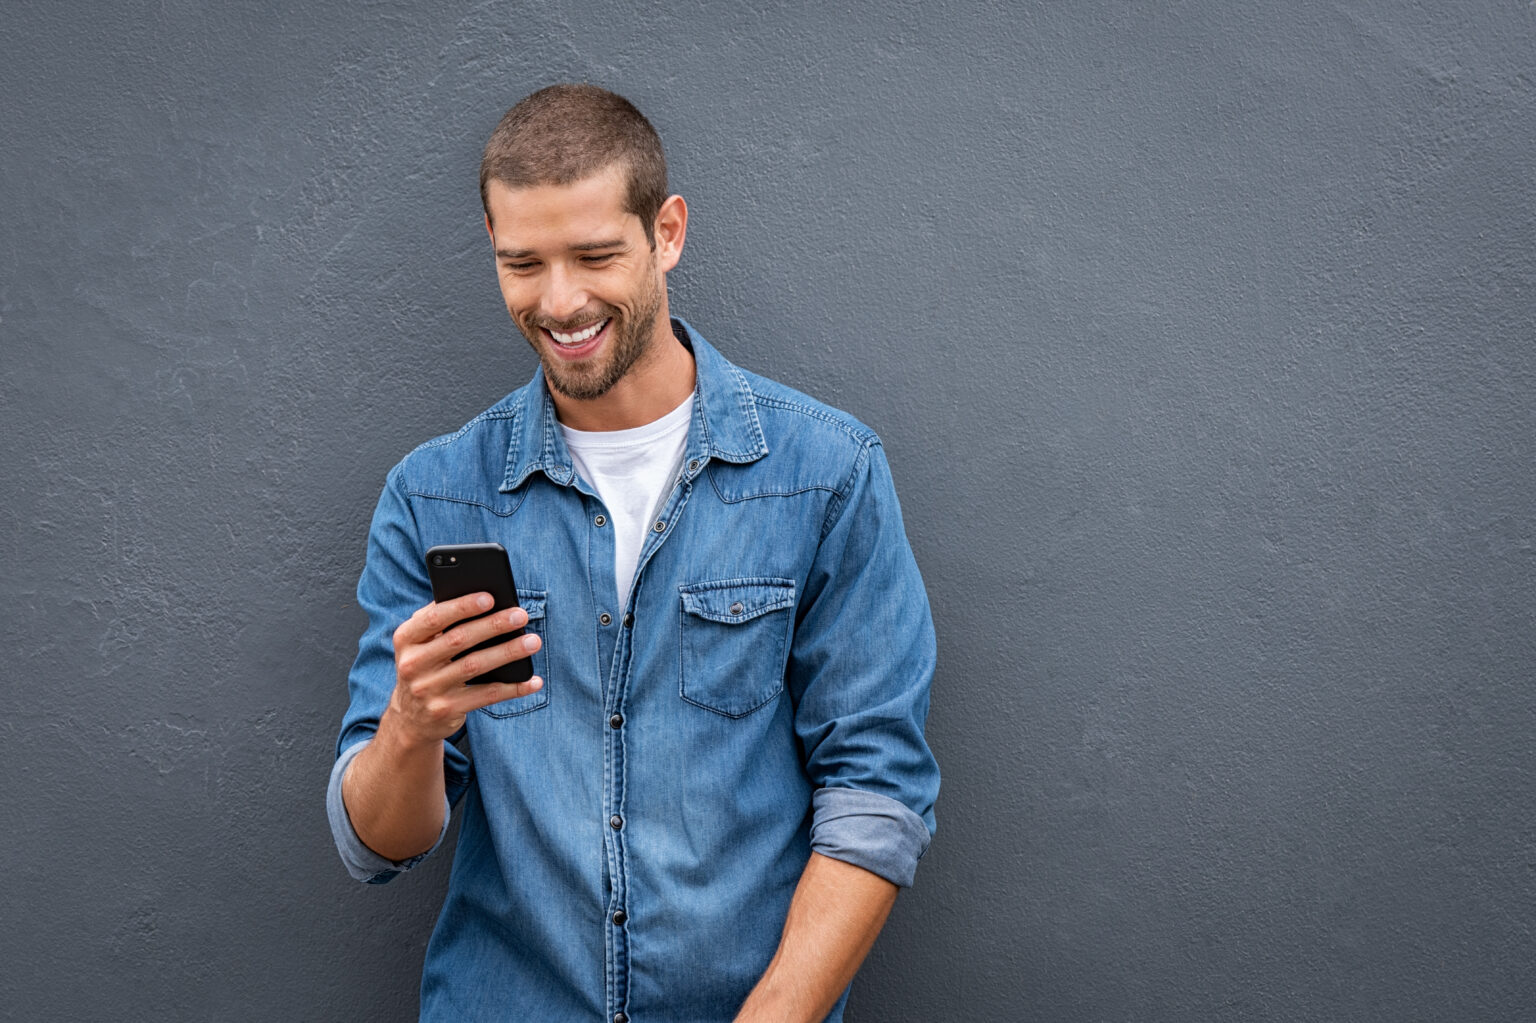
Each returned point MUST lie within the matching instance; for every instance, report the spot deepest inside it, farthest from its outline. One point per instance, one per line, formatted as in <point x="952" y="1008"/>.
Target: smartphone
<point x="459" y="569"/>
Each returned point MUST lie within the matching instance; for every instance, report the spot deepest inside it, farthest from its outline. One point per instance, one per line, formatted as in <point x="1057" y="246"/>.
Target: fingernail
<point x="484" y="600"/>
<point x="535" y="683"/>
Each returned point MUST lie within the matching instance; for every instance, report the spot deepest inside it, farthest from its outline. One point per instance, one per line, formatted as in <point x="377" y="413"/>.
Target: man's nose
<point x="564" y="296"/>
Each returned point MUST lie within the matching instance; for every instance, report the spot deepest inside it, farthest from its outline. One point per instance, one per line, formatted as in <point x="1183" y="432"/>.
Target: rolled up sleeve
<point x="861" y="668"/>
<point x="393" y="586"/>
<point x="870" y="831"/>
<point x="362" y="862"/>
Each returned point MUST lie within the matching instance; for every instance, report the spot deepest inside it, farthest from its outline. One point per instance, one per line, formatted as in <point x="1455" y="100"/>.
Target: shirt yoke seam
<point x="861" y="434"/>
<point x="836" y="505"/>
<point x="489" y="415"/>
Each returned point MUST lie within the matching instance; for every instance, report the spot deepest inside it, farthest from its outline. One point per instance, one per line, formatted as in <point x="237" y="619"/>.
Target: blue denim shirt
<point x="633" y="832"/>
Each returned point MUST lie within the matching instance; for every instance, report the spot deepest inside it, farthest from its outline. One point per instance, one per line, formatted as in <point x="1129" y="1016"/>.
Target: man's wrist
<point x="398" y="742"/>
<point x="773" y="1003"/>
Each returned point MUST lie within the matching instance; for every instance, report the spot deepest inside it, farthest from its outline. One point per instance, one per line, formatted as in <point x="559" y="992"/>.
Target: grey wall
<point x="1200" y="336"/>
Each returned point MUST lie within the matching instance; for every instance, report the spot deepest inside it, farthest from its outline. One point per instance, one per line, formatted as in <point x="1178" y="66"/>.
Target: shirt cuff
<point x="362" y="862"/>
<point x="868" y="830"/>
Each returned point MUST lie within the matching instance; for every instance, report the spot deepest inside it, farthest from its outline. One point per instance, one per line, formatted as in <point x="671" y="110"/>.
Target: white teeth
<point x="580" y="336"/>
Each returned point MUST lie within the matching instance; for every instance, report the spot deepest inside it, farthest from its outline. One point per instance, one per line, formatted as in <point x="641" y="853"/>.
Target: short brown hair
<point x="566" y="133"/>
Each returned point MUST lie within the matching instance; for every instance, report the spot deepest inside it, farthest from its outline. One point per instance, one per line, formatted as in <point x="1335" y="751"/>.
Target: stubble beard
<point x="631" y="339"/>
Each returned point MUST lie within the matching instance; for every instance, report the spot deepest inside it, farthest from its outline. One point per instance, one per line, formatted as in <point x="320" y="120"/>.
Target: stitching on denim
<point x="861" y="434"/>
<point x="492" y="414"/>
<point x="470" y="501"/>
<point x="783" y="591"/>
<point x="514" y="448"/>
<point x="524" y="705"/>
<point x="705" y="585"/>
<point x="766" y="493"/>
<point x="745" y="398"/>
<point x="837" y="504"/>
<point x="616" y="780"/>
<point x="682" y="675"/>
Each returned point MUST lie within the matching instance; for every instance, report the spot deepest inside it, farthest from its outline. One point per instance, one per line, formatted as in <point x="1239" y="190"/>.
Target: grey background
<point x="1200" y="337"/>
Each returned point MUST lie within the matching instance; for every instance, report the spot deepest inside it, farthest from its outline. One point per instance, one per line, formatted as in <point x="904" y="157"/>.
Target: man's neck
<point x="654" y="386"/>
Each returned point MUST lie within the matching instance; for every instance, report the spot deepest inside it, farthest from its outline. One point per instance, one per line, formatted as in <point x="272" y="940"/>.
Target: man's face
<point x="579" y="277"/>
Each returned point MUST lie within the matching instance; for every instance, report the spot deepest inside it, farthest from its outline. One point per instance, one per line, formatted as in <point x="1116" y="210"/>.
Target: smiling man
<point x="703" y="804"/>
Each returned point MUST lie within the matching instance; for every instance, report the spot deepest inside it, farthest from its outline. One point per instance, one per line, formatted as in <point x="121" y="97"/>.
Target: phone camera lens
<point x="437" y="559"/>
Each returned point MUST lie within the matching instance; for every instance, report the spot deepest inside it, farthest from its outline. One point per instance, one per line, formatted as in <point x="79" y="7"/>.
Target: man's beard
<point x="629" y="339"/>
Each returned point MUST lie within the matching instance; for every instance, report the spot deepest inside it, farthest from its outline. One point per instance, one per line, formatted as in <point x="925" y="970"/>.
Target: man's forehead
<point x="585" y="211"/>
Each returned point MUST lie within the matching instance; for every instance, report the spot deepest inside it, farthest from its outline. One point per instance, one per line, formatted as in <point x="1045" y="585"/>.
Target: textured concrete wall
<point x="1200" y="335"/>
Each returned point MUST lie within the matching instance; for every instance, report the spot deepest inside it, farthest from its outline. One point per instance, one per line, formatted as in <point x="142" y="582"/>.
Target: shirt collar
<point x="724" y="425"/>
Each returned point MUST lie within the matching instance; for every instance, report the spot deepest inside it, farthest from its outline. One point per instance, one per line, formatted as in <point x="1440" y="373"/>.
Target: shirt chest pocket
<point x="531" y="601"/>
<point x="735" y="642"/>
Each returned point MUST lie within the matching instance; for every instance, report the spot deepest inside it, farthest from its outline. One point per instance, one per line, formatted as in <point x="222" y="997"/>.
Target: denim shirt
<point x="633" y="832"/>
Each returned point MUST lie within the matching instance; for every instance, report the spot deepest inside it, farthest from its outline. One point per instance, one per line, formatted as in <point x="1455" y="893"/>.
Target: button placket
<point x="618" y="943"/>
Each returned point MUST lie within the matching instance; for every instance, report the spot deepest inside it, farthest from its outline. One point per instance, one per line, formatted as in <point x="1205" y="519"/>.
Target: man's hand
<point x="393" y="789"/>
<point x="431" y="700"/>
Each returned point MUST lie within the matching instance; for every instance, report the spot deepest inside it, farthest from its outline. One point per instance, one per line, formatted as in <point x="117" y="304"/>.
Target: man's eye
<point x="597" y="259"/>
<point x="519" y="267"/>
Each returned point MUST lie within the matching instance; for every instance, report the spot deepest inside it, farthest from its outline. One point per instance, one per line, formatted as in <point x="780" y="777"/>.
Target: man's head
<point x="564" y="133"/>
<point x="574" y="187"/>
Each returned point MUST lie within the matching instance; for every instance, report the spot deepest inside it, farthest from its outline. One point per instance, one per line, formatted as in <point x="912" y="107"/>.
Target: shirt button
<point x="660" y="527"/>
<point x="619" y="917"/>
<point x="619" y="1017"/>
<point x="629" y="619"/>
<point x="617" y="721"/>
<point x="601" y="520"/>
<point x="736" y="608"/>
<point x="615" y="822"/>
<point x="693" y="463"/>
<point x="605" y="618"/>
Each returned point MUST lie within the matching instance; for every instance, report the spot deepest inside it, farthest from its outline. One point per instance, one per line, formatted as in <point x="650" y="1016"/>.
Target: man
<point x="702" y="805"/>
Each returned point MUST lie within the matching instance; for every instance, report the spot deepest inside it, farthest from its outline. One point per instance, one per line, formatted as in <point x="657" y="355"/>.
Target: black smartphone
<point x="459" y="569"/>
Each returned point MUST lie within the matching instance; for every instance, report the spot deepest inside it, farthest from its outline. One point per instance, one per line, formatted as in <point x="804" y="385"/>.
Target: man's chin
<point x="571" y="382"/>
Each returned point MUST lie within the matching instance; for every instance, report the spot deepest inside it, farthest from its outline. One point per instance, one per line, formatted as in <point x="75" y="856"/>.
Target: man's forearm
<point x="393" y="792"/>
<point x="836" y="914"/>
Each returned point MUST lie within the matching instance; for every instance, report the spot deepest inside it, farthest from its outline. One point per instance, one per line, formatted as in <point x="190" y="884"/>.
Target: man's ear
<point x="488" y="228"/>
<point x="671" y="230"/>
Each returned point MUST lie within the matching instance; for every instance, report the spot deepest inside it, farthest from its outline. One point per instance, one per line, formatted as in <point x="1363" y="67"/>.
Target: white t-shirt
<point x="632" y="472"/>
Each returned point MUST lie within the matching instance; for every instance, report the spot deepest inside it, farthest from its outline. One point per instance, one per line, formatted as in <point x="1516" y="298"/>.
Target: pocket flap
<point x="532" y="601"/>
<point x="737" y="600"/>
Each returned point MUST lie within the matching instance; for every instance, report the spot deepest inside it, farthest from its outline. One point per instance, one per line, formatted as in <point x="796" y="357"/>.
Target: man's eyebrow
<point x="616" y="243"/>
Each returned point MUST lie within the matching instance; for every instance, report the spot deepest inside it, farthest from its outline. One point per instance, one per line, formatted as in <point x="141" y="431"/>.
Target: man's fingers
<point x="434" y="626"/>
<point x="434" y="618"/>
<point x="496" y="692"/>
<point x="481" y="661"/>
<point x="471" y="634"/>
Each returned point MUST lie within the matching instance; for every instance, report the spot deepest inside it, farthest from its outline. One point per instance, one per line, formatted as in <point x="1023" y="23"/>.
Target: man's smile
<point x="578" y="345"/>
<point x="577" y="337"/>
